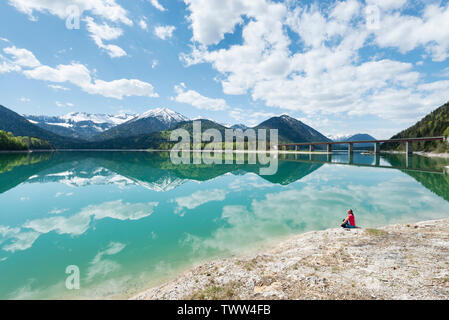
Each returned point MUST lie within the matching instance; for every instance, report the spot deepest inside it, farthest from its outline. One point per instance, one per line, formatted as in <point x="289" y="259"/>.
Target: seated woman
<point x="349" y="222"/>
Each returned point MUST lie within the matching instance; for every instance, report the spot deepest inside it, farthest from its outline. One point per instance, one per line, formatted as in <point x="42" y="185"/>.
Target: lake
<point x="130" y="220"/>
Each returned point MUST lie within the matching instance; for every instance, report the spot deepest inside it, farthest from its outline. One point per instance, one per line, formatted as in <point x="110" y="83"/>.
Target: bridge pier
<point x="350" y="148"/>
<point x="329" y="148"/>
<point x="377" y="148"/>
<point x="409" y="147"/>
<point x="311" y="148"/>
<point x="296" y="148"/>
<point x="377" y="159"/>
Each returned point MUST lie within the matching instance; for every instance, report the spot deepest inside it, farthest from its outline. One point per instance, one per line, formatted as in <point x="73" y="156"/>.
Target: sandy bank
<point x="394" y="262"/>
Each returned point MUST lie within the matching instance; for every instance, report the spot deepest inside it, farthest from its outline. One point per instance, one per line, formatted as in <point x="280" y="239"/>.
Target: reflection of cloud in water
<point x="319" y="206"/>
<point x="74" y="225"/>
<point x="199" y="198"/>
<point x="22" y="241"/>
<point x="25" y="292"/>
<point x="58" y="211"/>
<point x="103" y="176"/>
<point x="101" y="266"/>
<point x="249" y="182"/>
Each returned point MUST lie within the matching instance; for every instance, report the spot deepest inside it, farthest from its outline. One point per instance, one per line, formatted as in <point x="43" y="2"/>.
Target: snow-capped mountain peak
<point x="97" y="118"/>
<point x="163" y="114"/>
<point x="339" y="137"/>
<point x="79" y="124"/>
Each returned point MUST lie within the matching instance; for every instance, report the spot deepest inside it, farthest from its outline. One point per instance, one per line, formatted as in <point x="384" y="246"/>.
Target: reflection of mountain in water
<point x="438" y="183"/>
<point x="153" y="171"/>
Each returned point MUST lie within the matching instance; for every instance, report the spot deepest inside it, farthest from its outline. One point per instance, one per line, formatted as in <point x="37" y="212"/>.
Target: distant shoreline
<point x="405" y="261"/>
<point x="420" y="153"/>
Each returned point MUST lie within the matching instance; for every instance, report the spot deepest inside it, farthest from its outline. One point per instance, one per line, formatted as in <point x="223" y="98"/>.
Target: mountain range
<point x="18" y="125"/>
<point x="146" y="123"/>
<point x="355" y="137"/>
<point x="150" y="129"/>
<point x="79" y="125"/>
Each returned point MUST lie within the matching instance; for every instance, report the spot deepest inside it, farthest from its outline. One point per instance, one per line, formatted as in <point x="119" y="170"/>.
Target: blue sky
<point x="343" y="67"/>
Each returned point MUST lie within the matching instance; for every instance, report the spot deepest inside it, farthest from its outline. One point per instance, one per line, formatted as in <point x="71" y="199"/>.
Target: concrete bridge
<point x="408" y="144"/>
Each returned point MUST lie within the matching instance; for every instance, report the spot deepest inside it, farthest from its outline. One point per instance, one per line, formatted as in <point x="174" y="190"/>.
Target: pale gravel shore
<point x="433" y="155"/>
<point x="422" y="153"/>
<point x="408" y="261"/>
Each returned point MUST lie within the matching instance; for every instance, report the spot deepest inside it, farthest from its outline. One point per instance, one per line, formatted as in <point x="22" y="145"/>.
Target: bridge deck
<point x="365" y="141"/>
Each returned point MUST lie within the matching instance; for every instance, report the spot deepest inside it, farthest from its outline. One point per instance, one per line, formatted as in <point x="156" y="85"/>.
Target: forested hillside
<point x="433" y="125"/>
<point x="8" y="142"/>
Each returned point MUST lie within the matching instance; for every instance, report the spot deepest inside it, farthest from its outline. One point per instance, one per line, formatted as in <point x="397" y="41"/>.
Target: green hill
<point x="292" y="130"/>
<point x="155" y="140"/>
<point x="289" y="129"/>
<point x="433" y="125"/>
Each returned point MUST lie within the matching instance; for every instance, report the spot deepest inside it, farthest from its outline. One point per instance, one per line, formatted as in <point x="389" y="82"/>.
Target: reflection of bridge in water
<point x="376" y="163"/>
<point x="329" y="144"/>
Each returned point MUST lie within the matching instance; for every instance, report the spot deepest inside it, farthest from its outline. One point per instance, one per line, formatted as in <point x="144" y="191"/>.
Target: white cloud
<point x="157" y="5"/>
<point x="143" y="25"/>
<point x="80" y="76"/>
<point x="406" y="33"/>
<point x="6" y="67"/>
<point x="22" y="57"/>
<point x="327" y="74"/>
<point x="164" y="32"/>
<point x="197" y="100"/>
<point x="24" y="99"/>
<point x="57" y="87"/>
<point x="387" y="4"/>
<point x="66" y="104"/>
<point x="211" y="19"/>
<point x="250" y="117"/>
<point x="102" y="32"/>
<point x="106" y="9"/>
<point x="122" y="88"/>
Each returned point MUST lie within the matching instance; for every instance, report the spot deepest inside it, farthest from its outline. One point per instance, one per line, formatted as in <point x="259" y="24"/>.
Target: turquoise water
<point x="132" y="220"/>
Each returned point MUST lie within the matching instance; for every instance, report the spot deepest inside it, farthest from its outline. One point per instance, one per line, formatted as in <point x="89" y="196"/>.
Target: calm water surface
<point x="131" y="220"/>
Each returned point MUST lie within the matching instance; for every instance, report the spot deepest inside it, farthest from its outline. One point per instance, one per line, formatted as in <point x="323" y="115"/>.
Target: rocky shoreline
<point x="409" y="261"/>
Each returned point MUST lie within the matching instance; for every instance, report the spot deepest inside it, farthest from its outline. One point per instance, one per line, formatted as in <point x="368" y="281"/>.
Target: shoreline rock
<point x="409" y="261"/>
